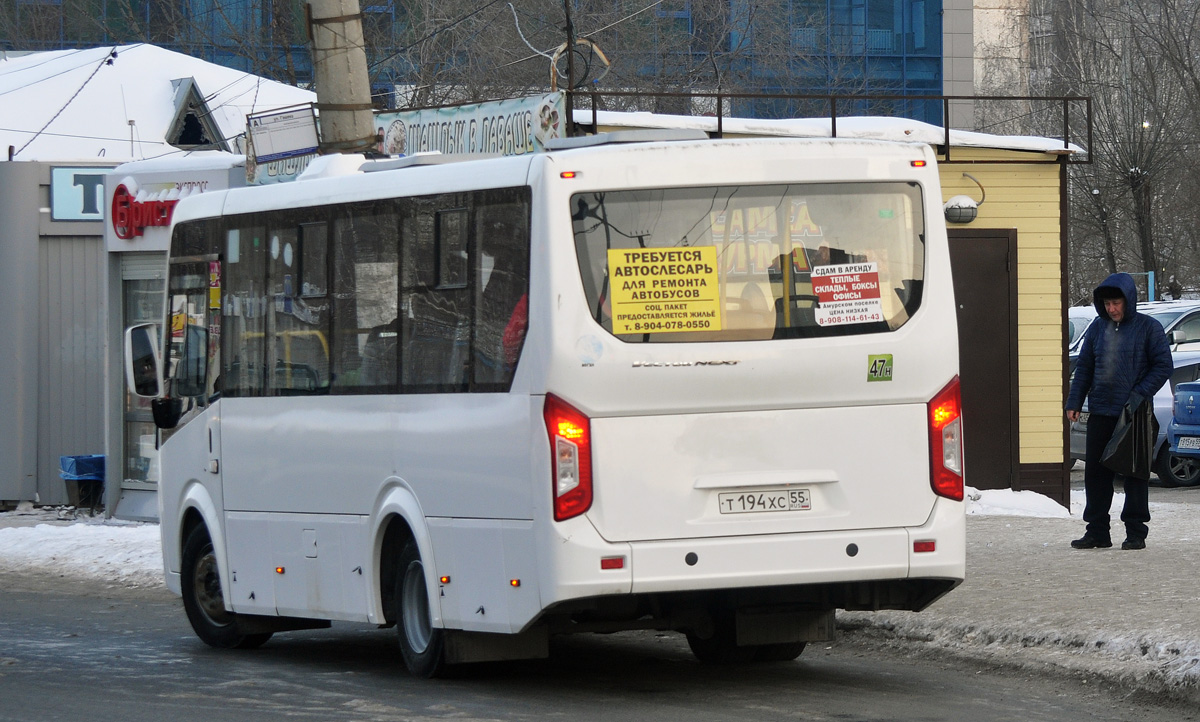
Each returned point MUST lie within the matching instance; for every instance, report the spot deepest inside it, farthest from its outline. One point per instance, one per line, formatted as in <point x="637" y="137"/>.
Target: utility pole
<point x="340" y="74"/>
<point x="570" y="50"/>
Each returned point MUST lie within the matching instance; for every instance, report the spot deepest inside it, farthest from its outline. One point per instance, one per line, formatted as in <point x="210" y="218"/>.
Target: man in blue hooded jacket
<point x="1125" y="359"/>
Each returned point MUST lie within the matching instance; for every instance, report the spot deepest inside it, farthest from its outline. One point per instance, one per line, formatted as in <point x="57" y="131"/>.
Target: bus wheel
<point x="203" y="600"/>
<point x="785" y="652"/>
<point x="420" y="644"/>
<point x="721" y="647"/>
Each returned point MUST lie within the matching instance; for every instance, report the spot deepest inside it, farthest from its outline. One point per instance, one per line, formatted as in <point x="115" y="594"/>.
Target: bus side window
<point x="195" y="329"/>
<point x="245" y="307"/>
<point x="501" y="308"/>
<point x="437" y="325"/>
<point x="297" y="350"/>
<point x="363" y="296"/>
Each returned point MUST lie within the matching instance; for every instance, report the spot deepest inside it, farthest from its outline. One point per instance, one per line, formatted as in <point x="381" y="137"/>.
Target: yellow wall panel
<point x="1048" y="226"/>
<point x="1045" y="316"/>
<point x="1026" y="364"/>
<point x="1034" y="254"/>
<point x="1048" y="286"/>
<point x="1039" y="332"/>
<point x="1046" y="450"/>
<point x="1052" y="422"/>
<point x="1042" y="394"/>
<point x="1047" y="240"/>
<point x="1034" y="301"/>
<point x="1041" y="348"/>
<point x="1041" y="378"/>
<point x="1031" y="269"/>
<point x="1047" y="408"/>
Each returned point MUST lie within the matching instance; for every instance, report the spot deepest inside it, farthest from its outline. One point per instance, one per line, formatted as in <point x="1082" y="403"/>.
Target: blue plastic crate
<point x="89" y="467"/>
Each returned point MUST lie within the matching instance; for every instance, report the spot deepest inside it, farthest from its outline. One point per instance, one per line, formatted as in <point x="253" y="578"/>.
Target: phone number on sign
<point x="670" y="325"/>
<point x="850" y="318"/>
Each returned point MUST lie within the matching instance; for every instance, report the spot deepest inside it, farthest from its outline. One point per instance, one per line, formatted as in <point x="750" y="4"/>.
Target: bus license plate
<point x="752" y="502"/>
<point x="1189" y="442"/>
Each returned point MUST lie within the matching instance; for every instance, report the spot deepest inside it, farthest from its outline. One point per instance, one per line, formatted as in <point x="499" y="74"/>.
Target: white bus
<point x="697" y="385"/>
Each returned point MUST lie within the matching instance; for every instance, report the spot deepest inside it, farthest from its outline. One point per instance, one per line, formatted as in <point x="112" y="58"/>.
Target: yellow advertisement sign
<point x="664" y="290"/>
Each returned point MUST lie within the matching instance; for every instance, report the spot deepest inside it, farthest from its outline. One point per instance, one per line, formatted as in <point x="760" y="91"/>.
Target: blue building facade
<point x="819" y="47"/>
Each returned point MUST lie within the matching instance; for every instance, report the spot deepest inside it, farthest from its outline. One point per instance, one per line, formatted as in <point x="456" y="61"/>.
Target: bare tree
<point x="458" y="50"/>
<point x="1115" y="52"/>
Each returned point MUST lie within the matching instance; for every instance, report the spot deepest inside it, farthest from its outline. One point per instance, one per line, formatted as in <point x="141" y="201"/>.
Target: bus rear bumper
<point x="839" y="560"/>
<point x="805" y="558"/>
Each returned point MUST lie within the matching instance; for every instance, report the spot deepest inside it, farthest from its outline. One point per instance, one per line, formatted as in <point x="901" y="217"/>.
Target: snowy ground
<point x="1022" y="605"/>
<point x="61" y="542"/>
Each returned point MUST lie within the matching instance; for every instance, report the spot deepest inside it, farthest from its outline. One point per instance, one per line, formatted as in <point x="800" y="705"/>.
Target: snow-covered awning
<point x="867" y="127"/>
<point x="126" y="102"/>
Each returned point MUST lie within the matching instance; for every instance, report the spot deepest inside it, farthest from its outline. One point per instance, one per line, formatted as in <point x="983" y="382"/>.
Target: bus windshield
<point x="732" y="263"/>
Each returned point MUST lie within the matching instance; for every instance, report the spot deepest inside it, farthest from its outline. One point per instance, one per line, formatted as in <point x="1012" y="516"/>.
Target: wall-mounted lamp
<point x="964" y="209"/>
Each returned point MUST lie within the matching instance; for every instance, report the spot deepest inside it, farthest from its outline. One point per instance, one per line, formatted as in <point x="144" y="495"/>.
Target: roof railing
<point x="720" y="101"/>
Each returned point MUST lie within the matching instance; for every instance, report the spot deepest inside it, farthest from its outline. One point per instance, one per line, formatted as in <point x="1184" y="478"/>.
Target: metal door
<point x="983" y="263"/>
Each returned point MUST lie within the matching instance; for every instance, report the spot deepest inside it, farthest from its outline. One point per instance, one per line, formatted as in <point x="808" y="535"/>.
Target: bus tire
<point x="785" y="652"/>
<point x="421" y="645"/>
<point x="721" y="647"/>
<point x="203" y="600"/>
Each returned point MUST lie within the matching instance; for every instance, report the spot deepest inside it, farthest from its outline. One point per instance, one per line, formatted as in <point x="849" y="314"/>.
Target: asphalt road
<point x="71" y="650"/>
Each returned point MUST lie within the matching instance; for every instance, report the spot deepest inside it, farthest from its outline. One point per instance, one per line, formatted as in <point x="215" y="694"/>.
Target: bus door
<point x="193" y="358"/>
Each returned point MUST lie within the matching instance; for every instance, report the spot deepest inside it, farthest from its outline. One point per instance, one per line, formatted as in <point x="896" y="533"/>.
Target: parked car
<point x="1172" y="469"/>
<point x="1183" y="433"/>
<point x="1078" y="320"/>
<point x="1180" y="320"/>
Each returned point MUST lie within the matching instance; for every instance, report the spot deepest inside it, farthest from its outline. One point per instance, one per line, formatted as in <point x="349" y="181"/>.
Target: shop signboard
<point x="77" y="194"/>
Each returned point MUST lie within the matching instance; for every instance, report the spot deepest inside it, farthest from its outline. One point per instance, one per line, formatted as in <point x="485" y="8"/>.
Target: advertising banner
<point x="664" y="290"/>
<point x="504" y="127"/>
<point x="847" y="293"/>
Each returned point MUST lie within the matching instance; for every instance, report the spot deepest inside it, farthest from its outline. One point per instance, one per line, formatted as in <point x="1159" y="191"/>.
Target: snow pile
<point x="1031" y="601"/>
<point x="1006" y="502"/>
<point x="1147" y="661"/>
<point x="113" y="551"/>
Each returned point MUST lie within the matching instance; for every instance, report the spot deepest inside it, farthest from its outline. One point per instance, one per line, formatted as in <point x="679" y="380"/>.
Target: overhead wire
<point x="108" y="59"/>
<point x="588" y="34"/>
<point x="66" y="54"/>
<point x="79" y="136"/>
<point x="517" y="23"/>
<point x="434" y="32"/>
<point x="49" y="77"/>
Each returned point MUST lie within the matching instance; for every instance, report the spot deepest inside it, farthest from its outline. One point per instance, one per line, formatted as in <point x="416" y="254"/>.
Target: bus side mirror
<point x="166" y="412"/>
<point x="143" y="364"/>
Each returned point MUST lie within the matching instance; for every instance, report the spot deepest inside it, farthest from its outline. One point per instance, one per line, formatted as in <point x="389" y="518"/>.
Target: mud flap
<point x="774" y="625"/>
<point x="463" y="646"/>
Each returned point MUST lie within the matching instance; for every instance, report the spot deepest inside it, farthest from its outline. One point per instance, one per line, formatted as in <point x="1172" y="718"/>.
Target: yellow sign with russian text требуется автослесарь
<point x="662" y="290"/>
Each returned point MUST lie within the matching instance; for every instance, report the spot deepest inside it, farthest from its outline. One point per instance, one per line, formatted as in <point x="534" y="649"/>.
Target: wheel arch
<point x="398" y="518"/>
<point x="197" y="509"/>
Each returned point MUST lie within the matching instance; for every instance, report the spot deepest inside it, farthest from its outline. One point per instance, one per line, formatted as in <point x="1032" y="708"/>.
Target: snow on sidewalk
<point x="39" y="542"/>
<point x="1025" y="601"/>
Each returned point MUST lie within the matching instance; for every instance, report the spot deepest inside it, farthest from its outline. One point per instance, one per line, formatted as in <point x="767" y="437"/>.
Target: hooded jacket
<point x="1118" y="360"/>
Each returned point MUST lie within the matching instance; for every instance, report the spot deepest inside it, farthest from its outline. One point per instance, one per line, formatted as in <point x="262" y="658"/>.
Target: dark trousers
<point x="1098" y="485"/>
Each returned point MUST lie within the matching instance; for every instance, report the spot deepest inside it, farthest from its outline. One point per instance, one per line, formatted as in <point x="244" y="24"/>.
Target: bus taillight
<point x="571" y="444"/>
<point x="945" y="442"/>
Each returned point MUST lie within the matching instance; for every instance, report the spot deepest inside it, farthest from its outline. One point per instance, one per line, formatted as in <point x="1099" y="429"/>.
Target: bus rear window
<point x="735" y="263"/>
